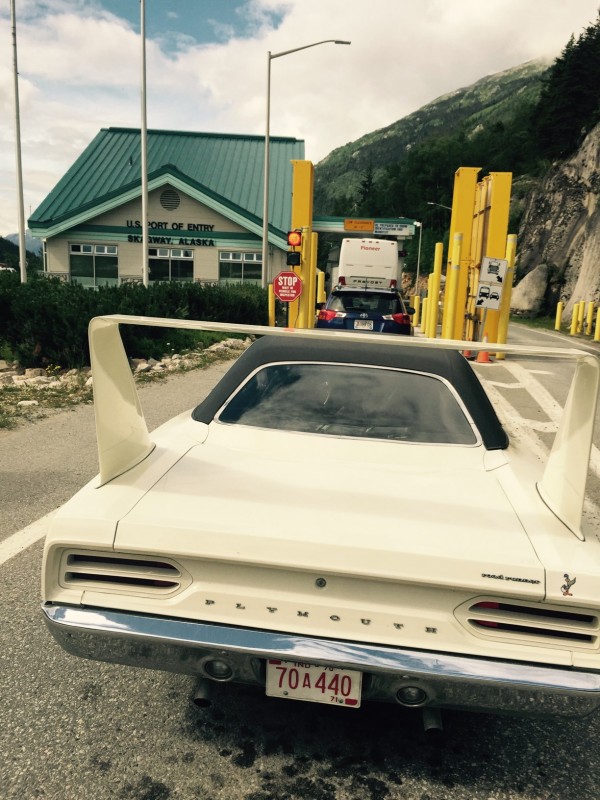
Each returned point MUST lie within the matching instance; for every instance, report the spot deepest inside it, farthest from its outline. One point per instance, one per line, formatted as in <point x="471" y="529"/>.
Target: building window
<point x="170" y="264"/>
<point x="94" y="265"/>
<point x="237" y="267"/>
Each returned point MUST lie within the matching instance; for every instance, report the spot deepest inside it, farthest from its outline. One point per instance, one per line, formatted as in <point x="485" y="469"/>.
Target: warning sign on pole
<point x="491" y="280"/>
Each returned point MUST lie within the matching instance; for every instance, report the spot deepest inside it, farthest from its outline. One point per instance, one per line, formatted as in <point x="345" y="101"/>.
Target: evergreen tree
<point x="568" y="107"/>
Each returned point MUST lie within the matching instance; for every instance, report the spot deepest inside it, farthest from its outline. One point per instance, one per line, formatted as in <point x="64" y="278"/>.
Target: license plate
<point x="363" y="324"/>
<point x="298" y="681"/>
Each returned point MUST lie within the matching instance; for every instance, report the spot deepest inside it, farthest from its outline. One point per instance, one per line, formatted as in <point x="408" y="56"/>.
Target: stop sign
<point x="287" y="286"/>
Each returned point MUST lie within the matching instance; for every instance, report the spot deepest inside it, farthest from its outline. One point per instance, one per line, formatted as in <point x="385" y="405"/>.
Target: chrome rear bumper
<point x="449" y="681"/>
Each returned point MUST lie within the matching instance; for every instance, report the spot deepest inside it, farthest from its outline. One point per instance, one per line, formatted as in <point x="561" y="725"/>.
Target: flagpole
<point x="144" y="146"/>
<point x="20" y="204"/>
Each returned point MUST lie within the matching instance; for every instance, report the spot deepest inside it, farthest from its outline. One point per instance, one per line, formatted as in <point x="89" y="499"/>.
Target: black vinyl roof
<point x="448" y="364"/>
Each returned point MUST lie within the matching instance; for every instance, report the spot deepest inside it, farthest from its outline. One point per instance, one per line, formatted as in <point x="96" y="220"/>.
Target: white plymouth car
<point x="343" y="519"/>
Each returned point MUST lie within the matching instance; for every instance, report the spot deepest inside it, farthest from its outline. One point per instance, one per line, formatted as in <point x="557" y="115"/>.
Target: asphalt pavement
<point x="78" y="730"/>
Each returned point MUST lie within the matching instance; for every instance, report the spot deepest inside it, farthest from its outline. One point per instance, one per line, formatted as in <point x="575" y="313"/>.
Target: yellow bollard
<point x="597" y="331"/>
<point x="590" y="318"/>
<point x="580" y="316"/>
<point x="321" y="294"/>
<point x="559" y="312"/>
<point x="451" y="293"/>
<point x="434" y="282"/>
<point x="417" y="307"/>
<point x="424" y="313"/>
<point x="575" y="315"/>
<point x="271" y="306"/>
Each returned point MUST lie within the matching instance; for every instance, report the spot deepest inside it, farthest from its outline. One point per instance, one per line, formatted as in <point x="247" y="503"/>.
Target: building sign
<point x="176" y="240"/>
<point x="491" y="280"/>
<point x="154" y="225"/>
<point x="174" y="233"/>
<point x="364" y="225"/>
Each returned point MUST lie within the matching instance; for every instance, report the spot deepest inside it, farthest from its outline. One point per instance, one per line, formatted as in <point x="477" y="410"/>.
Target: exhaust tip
<point x="203" y="694"/>
<point x="412" y="696"/>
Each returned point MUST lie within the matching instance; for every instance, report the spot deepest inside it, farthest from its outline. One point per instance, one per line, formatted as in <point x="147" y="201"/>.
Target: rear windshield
<point x="381" y="302"/>
<point x="347" y="400"/>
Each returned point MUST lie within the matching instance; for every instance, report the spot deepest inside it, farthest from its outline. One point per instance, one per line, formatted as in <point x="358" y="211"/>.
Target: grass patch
<point x="545" y="323"/>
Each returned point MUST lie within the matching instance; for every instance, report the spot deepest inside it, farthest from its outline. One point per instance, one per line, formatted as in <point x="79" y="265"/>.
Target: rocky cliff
<point x="559" y="237"/>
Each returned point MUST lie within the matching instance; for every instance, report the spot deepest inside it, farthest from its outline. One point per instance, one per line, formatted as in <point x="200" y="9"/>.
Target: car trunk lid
<point x="386" y="510"/>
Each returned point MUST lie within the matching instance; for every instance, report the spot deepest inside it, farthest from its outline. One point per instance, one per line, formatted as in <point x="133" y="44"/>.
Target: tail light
<point x="341" y="281"/>
<point x="393" y="283"/>
<point x="487" y="623"/>
<point x="401" y="319"/>
<point x="326" y="315"/>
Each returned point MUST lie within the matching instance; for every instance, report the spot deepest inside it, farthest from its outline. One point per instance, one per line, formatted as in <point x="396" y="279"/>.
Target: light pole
<point x="420" y="226"/>
<point x="265" y="235"/>
<point x="441" y="205"/>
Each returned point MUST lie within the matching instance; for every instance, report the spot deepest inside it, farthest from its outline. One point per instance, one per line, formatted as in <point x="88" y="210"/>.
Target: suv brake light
<point x="326" y="314"/>
<point x="401" y="319"/>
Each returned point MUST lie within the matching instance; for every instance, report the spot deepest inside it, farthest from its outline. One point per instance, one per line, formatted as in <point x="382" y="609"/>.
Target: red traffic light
<point x="294" y="238"/>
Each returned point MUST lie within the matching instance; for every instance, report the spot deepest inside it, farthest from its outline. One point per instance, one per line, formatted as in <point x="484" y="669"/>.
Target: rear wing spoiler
<point x="124" y="441"/>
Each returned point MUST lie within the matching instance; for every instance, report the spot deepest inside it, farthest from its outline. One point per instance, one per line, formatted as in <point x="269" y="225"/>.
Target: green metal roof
<point x="223" y="170"/>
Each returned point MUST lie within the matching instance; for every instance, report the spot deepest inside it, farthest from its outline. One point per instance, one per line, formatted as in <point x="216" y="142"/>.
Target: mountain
<point x="490" y="101"/>
<point x="32" y="243"/>
<point x="559" y="237"/>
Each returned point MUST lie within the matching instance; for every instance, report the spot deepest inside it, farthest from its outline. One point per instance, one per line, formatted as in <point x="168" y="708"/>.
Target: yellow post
<point x="424" y="312"/>
<point x="597" y="331"/>
<point x="496" y="239"/>
<point x="504" y="311"/>
<point x="451" y="293"/>
<point x="434" y="291"/>
<point x="580" y="316"/>
<point x="321" y="295"/>
<point x="302" y="212"/>
<point x="271" y="306"/>
<point x="559" y="312"/>
<point x="311" y="282"/>
<point x="463" y="203"/>
<point x="417" y="307"/>
<point x="590" y="317"/>
<point x="575" y="315"/>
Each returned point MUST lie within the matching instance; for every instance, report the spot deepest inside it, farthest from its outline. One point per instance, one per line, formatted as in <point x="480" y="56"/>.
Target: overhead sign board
<point x="491" y="281"/>
<point x="396" y="228"/>
<point x="365" y="225"/>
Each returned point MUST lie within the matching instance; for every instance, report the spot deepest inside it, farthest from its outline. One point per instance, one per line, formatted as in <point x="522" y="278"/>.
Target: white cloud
<point x="80" y="71"/>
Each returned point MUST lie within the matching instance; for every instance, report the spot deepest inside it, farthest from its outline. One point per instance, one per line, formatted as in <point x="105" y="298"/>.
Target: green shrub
<point x="45" y="321"/>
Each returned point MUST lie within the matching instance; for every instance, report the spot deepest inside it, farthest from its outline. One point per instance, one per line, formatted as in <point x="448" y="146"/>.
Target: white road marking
<point x="546" y="401"/>
<point x="24" y="538"/>
<point x="524" y="429"/>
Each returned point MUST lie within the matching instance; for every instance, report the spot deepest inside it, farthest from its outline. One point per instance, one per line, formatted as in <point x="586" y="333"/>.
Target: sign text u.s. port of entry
<point x="287" y="286"/>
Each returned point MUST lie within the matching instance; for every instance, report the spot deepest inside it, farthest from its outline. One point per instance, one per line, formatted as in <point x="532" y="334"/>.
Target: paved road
<point x="76" y="730"/>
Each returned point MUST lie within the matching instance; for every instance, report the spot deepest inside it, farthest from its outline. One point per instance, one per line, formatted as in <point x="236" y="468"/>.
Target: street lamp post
<point x="441" y="205"/>
<point x="420" y="226"/>
<point x="265" y="235"/>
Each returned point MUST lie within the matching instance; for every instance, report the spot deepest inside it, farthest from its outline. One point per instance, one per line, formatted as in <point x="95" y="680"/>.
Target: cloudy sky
<point x="79" y="68"/>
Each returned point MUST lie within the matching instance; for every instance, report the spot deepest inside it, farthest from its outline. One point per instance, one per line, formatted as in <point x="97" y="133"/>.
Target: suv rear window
<point x="381" y="302"/>
<point x="347" y="400"/>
